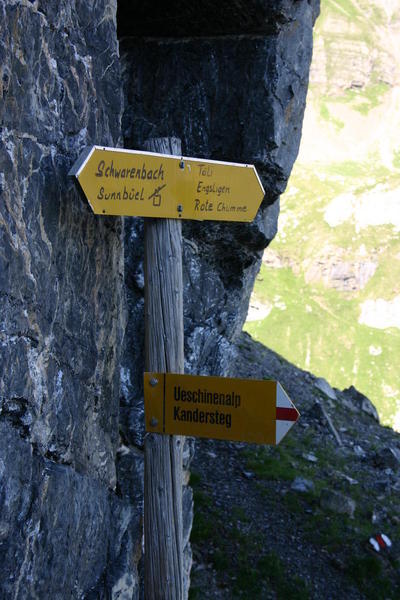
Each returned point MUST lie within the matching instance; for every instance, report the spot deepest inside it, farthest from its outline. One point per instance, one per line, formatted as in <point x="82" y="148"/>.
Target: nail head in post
<point x="153" y="381"/>
<point x="153" y="422"/>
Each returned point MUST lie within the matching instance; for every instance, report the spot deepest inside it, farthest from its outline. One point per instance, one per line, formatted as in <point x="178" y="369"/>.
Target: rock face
<point x="71" y="384"/>
<point x="238" y="98"/>
<point x="65" y="533"/>
<point x="53" y="517"/>
<point x="60" y="273"/>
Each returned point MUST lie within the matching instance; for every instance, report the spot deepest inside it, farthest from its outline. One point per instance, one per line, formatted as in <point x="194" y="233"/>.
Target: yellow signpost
<point x="150" y="184"/>
<point x="145" y="184"/>
<point x="244" y="410"/>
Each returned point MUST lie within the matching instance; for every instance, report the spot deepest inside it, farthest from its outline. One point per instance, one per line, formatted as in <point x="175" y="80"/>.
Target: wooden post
<point x="163" y="551"/>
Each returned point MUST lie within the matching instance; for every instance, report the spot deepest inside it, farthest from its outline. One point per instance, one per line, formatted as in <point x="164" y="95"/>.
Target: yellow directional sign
<point x="145" y="184"/>
<point x="244" y="410"/>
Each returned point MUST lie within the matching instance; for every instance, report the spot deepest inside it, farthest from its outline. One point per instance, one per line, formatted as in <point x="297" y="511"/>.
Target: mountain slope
<point x="294" y="521"/>
<point x="328" y="294"/>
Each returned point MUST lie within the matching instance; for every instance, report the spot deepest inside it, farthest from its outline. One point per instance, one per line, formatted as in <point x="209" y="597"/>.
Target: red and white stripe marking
<point x="380" y="542"/>
<point x="286" y="413"/>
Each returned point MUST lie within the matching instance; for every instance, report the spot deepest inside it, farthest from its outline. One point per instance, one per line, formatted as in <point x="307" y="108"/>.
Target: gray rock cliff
<point x="234" y="97"/>
<point x="232" y="88"/>
<point x="65" y="532"/>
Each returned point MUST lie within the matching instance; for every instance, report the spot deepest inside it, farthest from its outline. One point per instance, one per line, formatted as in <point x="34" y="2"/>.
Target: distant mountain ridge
<point x="328" y="294"/>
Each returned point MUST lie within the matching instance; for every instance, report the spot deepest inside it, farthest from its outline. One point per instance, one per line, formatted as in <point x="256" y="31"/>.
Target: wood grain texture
<point x="164" y="353"/>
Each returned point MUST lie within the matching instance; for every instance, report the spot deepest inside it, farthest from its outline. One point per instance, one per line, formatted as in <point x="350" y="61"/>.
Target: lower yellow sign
<point x="246" y="410"/>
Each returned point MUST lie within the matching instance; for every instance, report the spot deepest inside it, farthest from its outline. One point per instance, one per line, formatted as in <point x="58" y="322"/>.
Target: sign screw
<point x="153" y="422"/>
<point x="153" y="381"/>
<point x="182" y="164"/>
<point x="179" y="208"/>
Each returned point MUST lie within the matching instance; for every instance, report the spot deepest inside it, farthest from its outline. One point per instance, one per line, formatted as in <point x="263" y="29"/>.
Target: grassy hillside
<point x="330" y="281"/>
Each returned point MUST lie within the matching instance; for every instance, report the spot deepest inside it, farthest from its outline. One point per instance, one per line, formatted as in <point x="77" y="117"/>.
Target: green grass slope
<point x="337" y="252"/>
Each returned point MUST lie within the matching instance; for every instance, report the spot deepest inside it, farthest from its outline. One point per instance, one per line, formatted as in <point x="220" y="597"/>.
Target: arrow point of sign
<point x="286" y="413"/>
<point x="80" y="161"/>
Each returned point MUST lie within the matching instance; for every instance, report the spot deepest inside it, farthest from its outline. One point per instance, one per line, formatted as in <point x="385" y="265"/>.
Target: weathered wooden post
<point x="164" y="353"/>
